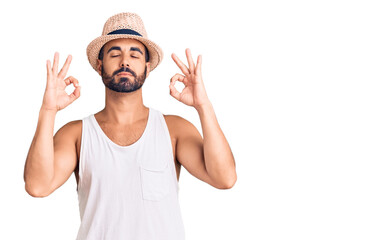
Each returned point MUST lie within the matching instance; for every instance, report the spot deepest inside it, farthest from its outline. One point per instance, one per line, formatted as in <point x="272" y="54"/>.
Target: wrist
<point x="45" y="110"/>
<point x="205" y="107"/>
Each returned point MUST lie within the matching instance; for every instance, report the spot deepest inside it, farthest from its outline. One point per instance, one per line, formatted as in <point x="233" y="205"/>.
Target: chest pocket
<point x="155" y="180"/>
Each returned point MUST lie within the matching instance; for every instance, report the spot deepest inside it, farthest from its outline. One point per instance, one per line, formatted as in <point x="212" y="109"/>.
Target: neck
<point x="123" y="108"/>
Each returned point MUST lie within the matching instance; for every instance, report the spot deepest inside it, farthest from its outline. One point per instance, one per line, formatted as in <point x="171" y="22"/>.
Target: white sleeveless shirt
<point x="128" y="192"/>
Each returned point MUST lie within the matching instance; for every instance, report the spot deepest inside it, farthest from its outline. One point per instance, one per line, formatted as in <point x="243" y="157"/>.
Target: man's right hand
<point x="55" y="97"/>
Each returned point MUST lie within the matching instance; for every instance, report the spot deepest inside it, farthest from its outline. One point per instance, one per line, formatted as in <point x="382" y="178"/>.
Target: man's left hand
<point x="194" y="93"/>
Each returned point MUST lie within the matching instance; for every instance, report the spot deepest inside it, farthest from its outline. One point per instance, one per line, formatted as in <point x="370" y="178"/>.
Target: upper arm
<point x="189" y="150"/>
<point x="65" y="154"/>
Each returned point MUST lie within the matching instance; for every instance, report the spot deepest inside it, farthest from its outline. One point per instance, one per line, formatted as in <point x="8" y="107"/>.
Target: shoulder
<point x="71" y="130"/>
<point x="177" y="121"/>
<point x="72" y="126"/>
<point x="179" y="126"/>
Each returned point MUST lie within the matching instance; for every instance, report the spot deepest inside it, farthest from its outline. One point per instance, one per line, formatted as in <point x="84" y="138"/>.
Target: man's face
<point x="123" y="68"/>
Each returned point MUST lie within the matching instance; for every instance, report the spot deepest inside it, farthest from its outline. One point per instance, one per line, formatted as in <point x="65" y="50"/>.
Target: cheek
<point x="139" y="65"/>
<point x="109" y="67"/>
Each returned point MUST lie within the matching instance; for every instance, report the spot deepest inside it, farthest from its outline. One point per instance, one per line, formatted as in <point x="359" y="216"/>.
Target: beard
<point x="125" y="84"/>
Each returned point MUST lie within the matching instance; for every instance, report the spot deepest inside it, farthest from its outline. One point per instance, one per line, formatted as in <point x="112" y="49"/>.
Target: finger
<point x="48" y="69"/>
<point x="70" y="80"/>
<point x="180" y="64"/>
<point x="174" y="92"/>
<point x="190" y="60"/>
<point x="67" y="81"/>
<point x="198" y="67"/>
<point x="173" y="80"/>
<point x="76" y="93"/>
<point x="180" y="78"/>
<point x="55" y="63"/>
<point x="65" y="68"/>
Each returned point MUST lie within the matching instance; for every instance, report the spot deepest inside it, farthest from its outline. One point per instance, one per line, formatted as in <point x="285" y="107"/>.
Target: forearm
<point x="39" y="166"/>
<point x="219" y="160"/>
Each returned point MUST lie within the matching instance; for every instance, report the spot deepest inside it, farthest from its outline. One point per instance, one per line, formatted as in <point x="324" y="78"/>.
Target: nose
<point x="125" y="62"/>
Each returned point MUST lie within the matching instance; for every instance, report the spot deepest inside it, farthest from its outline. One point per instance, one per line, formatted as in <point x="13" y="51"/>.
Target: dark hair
<point x="100" y="56"/>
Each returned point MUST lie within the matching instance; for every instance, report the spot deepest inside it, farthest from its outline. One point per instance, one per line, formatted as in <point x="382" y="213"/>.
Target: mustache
<point x="124" y="69"/>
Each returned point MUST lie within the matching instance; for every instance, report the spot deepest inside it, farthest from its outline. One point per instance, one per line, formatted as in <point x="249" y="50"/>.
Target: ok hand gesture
<point x="194" y="93"/>
<point x="55" y="97"/>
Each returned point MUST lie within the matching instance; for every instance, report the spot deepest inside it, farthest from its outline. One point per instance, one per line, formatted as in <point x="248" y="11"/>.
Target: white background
<point x="301" y="90"/>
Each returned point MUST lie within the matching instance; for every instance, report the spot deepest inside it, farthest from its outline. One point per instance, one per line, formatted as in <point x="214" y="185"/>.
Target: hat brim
<point x="155" y="52"/>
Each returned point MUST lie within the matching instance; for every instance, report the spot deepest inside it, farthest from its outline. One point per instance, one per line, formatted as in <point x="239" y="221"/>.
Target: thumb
<point x="75" y="95"/>
<point x="174" y="93"/>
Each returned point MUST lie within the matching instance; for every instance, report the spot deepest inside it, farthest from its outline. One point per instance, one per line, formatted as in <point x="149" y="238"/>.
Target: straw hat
<point x="124" y="25"/>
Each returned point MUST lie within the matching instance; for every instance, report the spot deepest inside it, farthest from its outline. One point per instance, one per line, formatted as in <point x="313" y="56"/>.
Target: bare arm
<point x="39" y="171"/>
<point x="219" y="160"/>
<point x="198" y="155"/>
<point x="210" y="158"/>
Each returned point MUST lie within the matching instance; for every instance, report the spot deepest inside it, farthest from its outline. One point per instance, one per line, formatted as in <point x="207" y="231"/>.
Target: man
<point x="127" y="157"/>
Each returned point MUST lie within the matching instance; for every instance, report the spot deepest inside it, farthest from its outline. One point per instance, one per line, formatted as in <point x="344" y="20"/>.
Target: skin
<point x="52" y="160"/>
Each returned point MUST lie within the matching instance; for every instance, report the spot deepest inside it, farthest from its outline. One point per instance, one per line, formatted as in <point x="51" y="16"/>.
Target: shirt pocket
<point x="155" y="182"/>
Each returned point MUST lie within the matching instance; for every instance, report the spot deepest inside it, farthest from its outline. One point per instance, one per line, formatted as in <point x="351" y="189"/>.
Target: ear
<point x="99" y="66"/>
<point x="148" y="64"/>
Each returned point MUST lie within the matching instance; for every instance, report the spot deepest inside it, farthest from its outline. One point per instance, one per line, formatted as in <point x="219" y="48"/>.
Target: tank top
<point x="128" y="192"/>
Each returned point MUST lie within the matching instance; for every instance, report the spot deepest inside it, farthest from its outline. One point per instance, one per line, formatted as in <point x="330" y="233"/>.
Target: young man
<point x="127" y="157"/>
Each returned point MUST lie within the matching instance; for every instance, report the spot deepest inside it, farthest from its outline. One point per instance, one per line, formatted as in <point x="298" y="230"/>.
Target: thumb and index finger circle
<point x="76" y="93"/>
<point x="70" y="80"/>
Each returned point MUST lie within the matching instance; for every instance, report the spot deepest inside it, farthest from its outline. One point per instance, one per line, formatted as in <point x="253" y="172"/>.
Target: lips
<point x="124" y="74"/>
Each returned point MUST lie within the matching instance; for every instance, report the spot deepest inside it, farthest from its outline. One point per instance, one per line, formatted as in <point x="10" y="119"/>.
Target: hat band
<point x="125" y="31"/>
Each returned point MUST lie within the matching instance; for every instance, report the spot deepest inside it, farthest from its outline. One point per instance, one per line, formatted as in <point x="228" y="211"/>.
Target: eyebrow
<point x="136" y="49"/>
<point x="114" y="48"/>
<point x="131" y="49"/>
